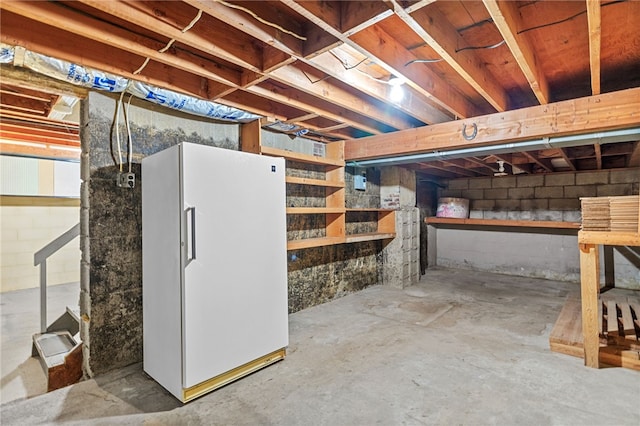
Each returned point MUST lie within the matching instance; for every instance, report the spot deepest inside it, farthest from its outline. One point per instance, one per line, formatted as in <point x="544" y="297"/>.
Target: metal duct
<point x="597" y="138"/>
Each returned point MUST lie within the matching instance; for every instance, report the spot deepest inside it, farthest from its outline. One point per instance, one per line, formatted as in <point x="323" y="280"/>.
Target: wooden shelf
<point x="303" y="158"/>
<point x="314" y="242"/>
<point x="364" y="210"/>
<point x="370" y="236"/>
<point x="609" y="238"/>
<point x="313" y="182"/>
<point x="314" y="210"/>
<point x="504" y="223"/>
<point x="334" y="193"/>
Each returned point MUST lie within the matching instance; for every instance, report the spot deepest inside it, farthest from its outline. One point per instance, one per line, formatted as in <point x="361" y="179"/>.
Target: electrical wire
<point x="118" y="130"/>
<point x="344" y="63"/>
<point x="424" y="61"/>
<point x="129" y="139"/>
<point x="491" y="46"/>
<point x="170" y="43"/>
<point x="569" y="18"/>
<point x="259" y="19"/>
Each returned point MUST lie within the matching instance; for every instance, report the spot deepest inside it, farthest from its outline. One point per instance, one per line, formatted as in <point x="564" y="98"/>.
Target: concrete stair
<point x="60" y="350"/>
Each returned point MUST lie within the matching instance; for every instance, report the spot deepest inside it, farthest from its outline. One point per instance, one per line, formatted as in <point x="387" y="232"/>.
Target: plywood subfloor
<point x="619" y="325"/>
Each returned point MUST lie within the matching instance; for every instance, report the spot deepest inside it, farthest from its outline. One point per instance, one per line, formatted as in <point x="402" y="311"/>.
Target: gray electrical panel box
<point x="360" y="182"/>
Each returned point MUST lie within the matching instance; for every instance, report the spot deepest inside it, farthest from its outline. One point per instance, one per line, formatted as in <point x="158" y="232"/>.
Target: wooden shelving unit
<point x="334" y="210"/>
<point x="589" y="242"/>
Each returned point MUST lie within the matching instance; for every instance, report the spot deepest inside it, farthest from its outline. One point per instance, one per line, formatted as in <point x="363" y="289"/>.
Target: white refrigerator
<point x="214" y="266"/>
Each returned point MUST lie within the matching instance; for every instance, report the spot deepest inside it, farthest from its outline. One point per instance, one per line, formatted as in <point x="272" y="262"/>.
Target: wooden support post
<point x="589" y="290"/>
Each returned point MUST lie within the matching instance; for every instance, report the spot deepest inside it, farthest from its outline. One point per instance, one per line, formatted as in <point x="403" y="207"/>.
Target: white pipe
<point x="596" y="138"/>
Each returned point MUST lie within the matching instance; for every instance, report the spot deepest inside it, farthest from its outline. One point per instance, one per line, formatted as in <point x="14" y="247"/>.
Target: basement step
<point x="59" y="351"/>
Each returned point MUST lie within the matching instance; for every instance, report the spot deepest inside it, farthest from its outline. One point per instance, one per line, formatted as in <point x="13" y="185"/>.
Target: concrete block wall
<point x="25" y="230"/>
<point x="549" y="254"/>
<point x="554" y="197"/>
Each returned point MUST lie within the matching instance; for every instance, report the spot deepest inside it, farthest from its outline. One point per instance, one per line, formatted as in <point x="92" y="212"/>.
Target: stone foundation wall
<point x="111" y="268"/>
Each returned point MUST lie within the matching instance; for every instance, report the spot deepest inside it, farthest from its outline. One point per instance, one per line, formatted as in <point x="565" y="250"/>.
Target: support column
<point x="590" y="291"/>
<point x="401" y="257"/>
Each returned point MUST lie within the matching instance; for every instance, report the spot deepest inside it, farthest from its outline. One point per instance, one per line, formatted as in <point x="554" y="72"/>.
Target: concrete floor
<point x="458" y="348"/>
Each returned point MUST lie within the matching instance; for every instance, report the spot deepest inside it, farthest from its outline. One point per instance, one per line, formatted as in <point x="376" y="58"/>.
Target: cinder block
<point x="549" y="192"/>
<point x="535" y="204"/>
<point x="496" y="194"/>
<point x="502" y="215"/>
<point x="508" y="204"/>
<point x="473" y="194"/>
<point x="458" y="184"/>
<point x="529" y="181"/>
<point x="503" y="182"/>
<point x="520" y="193"/>
<point x="564" y="204"/>
<point x="580" y="191"/>
<point x="625" y="176"/>
<point x="591" y="178"/>
<point x="618" y="189"/>
<point x="560" y="179"/>
<point x="515" y="215"/>
<point x="455" y="193"/>
<point x="482" y="204"/>
<point x="548" y="215"/>
<point x="479" y="183"/>
<point x="572" y="216"/>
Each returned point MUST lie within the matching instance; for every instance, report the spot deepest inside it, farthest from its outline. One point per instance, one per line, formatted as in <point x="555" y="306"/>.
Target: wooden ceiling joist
<point x="506" y="17"/>
<point x="412" y="104"/>
<point x="436" y="31"/>
<point x="595" y="37"/>
<point x="608" y="111"/>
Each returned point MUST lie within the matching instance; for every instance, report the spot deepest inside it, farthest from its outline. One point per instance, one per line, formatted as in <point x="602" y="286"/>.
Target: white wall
<point x="532" y="254"/>
<point x="25" y="230"/>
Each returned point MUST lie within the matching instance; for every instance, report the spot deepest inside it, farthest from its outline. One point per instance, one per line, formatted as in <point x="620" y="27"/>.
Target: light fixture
<point x="396" y="94"/>
<point x="500" y="171"/>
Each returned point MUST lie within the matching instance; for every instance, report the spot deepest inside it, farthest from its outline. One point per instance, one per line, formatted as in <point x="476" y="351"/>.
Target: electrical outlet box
<point x="360" y="182"/>
<point x="126" y="180"/>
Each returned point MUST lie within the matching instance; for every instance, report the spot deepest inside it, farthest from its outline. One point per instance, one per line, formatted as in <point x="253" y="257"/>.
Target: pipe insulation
<point x="596" y="138"/>
<point x="98" y="80"/>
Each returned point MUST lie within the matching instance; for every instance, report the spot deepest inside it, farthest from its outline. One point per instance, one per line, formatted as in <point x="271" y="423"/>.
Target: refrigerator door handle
<point x="191" y="244"/>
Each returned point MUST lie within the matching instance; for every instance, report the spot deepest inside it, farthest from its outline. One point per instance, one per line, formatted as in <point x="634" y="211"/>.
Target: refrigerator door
<point x="235" y="275"/>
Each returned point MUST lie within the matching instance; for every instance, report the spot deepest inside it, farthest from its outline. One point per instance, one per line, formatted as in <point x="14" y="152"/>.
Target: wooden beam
<point x="356" y="16"/>
<point x="506" y="17"/>
<point x="413" y="103"/>
<point x="311" y="83"/>
<point x="595" y="37"/>
<point x="598" y="151"/>
<point x="609" y="111"/>
<point x="544" y="163"/>
<point x="20" y="31"/>
<point x="569" y="161"/>
<point x="481" y="163"/>
<point x="389" y="54"/>
<point x="418" y="5"/>
<point x="288" y="96"/>
<point x="459" y="167"/>
<point x="246" y="23"/>
<point x="207" y="35"/>
<point x="25" y="78"/>
<point x="436" y="31"/>
<point x="634" y="158"/>
<point x="39" y="150"/>
<point x="380" y="47"/>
